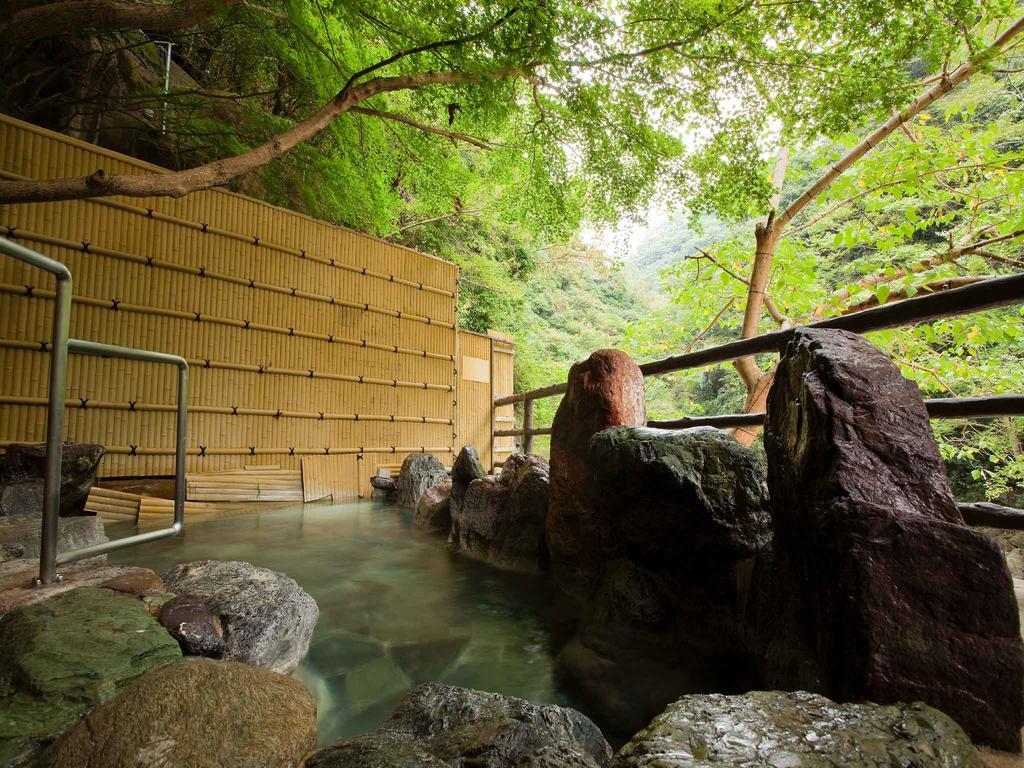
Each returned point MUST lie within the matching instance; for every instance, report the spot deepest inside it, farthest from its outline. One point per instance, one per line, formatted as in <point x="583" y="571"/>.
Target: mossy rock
<point x="62" y="657"/>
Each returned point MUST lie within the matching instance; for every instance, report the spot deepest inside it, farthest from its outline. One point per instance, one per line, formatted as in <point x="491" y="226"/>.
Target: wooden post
<point x="493" y="408"/>
<point x="527" y="426"/>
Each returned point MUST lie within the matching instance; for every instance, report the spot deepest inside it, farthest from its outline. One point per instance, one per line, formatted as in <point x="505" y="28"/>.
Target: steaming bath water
<point x="396" y="608"/>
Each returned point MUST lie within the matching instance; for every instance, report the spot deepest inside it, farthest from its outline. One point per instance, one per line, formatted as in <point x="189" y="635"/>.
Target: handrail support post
<point x="528" y="426"/>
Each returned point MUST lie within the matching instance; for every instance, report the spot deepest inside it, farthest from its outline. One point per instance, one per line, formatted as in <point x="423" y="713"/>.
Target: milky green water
<point x="396" y="608"/>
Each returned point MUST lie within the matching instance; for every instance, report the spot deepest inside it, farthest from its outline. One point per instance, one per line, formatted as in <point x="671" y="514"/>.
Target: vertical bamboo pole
<point x="490" y="402"/>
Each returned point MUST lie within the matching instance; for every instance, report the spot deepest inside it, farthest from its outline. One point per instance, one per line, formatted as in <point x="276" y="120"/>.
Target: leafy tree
<point x="934" y="206"/>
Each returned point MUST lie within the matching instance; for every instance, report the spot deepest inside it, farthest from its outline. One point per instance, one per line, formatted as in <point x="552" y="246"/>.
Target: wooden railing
<point x="988" y="294"/>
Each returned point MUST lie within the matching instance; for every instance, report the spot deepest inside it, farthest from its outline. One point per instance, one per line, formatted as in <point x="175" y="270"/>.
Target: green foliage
<point x="888" y="229"/>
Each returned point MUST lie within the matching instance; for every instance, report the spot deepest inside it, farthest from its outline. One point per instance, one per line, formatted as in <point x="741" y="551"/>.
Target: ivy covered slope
<point x="938" y="205"/>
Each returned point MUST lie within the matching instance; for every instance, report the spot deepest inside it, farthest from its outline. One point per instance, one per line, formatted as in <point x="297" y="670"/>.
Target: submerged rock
<point x="72" y="533"/>
<point x="502" y="519"/>
<point x="796" y="730"/>
<point x="450" y="727"/>
<point x="466" y="468"/>
<point x="268" y="619"/>
<point x="24" y="466"/>
<point x="199" y="713"/>
<point x="433" y="513"/>
<point x="419" y="472"/>
<point x="873" y="588"/>
<point x="61" y="657"/>
<point x="605" y="390"/>
<point x="197" y="631"/>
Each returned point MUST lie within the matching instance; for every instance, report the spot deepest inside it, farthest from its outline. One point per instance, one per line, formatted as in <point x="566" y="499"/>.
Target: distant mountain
<point x="674" y="240"/>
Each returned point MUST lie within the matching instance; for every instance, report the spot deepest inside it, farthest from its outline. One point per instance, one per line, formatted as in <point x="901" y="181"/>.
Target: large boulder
<point x="466" y="468"/>
<point x="23" y="469"/>
<point x="768" y="729"/>
<point x="693" y="495"/>
<point x="433" y="513"/>
<point x="61" y="657"/>
<point x="267" y="618"/>
<point x="450" y="727"/>
<point x="502" y="519"/>
<point x="72" y="533"/>
<point x="873" y="588"/>
<point x="605" y="390"/>
<point x="420" y="471"/>
<point x="199" y="713"/>
<point x="684" y="512"/>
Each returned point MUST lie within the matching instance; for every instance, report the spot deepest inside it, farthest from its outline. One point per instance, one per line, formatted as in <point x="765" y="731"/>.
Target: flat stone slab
<point x="17" y="590"/>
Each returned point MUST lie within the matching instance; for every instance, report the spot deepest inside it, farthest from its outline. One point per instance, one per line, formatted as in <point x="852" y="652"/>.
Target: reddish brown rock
<point x="141" y="582"/>
<point x="605" y="390"/>
<point x="198" y="632"/>
<point x="874" y="589"/>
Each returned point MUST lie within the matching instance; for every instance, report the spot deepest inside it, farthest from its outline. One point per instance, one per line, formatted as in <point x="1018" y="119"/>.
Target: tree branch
<point x="453" y="135"/>
<point x="220" y="172"/>
<point x="922" y="102"/>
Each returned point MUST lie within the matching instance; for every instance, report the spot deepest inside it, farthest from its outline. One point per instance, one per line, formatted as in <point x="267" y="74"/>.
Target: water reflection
<point x="396" y="609"/>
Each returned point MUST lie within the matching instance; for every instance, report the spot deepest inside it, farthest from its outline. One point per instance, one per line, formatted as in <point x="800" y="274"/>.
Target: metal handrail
<point x="60" y="346"/>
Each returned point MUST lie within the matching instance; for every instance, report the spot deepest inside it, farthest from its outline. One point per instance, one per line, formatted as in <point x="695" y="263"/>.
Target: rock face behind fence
<point x="873" y="588"/>
<point x="605" y="390"/>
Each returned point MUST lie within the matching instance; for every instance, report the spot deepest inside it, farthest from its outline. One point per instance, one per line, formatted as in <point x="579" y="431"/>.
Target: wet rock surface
<point x="61" y="657"/>
<point x="502" y="519"/>
<point x="466" y="468"/>
<point x="873" y="589"/>
<point x="420" y="471"/>
<point x="433" y="513"/>
<point x="797" y="730"/>
<point x="198" y="632"/>
<point x="684" y="513"/>
<point x="268" y="619"/>
<point x="605" y="390"/>
<point x="447" y="726"/>
<point x="72" y="533"/>
<point x="21" y="478"/>
<point x="197" y="713"/>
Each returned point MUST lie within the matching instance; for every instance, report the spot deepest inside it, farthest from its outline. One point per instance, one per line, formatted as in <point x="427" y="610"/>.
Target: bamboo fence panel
<point x="304" y="339"/>
<point x="474" y="401"/>
<point x="502" y="373"/>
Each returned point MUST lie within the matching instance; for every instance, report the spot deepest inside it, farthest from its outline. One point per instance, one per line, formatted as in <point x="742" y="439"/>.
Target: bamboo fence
<point x="306" y="340"/>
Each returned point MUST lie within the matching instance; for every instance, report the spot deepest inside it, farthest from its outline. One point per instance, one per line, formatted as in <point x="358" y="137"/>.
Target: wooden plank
<point x="992" y="515"/>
